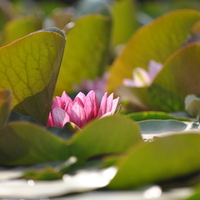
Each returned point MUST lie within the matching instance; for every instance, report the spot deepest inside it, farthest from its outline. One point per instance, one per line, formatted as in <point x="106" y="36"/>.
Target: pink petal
<point x="106" y="114"/>
<point x="59" y="117"/>
<point x="68" y="107"/>
<point x="65" y="97"/>
<point x="80" y="97"/>
<point x="77" y="115"/>
<point x="114" y="105"/>
<point x="50" y="120"/>
<point x="103" y="105"/>
<point x="109" y="103"/>
<point x="141" y="77"/>
<point x="94" y="101"/>
<point x="154" y="69"/>
<point x="59" y="102"/>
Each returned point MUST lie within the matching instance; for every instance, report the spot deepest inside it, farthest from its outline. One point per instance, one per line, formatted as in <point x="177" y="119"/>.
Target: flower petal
<point x="50" y="120"/>
<point x="103" y="105"/>
<point x="65" y="97"/>
<point x="77" y="115"/>
<point x="114" y="105"/>
<point x="109" y="103"/>
<point x="80" y="97"/>
<point x="59" y="117"/>
<point x="154" y="69"/>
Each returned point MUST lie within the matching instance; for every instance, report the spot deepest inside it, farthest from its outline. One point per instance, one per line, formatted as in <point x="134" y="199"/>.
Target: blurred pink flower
<point x="81" y="110"/>
<point x="98" y="85"/>
<point x="141" y="77"/>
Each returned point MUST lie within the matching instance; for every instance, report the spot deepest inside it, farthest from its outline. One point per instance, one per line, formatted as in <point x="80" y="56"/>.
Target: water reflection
<point x="153" y="192"/>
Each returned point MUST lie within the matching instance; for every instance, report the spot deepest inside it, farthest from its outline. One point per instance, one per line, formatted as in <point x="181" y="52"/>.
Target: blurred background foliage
<point x="98" y="32"/>
<point x="128" y="15"/>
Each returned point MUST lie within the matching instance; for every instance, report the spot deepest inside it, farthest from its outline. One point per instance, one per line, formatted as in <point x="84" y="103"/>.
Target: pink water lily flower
<point x="98" y="85"/>
<point x="141" y="77"/>
<point x="81" y="110"/>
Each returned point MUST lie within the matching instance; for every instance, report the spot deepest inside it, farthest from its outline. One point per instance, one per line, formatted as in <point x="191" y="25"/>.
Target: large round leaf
<point x="23" y="143"/>
<point x="85" y="52"/>
<point x="163" y="159"/>
<point x="108" y="135"/>
<point x="157" y="41"/>
<point x="29" y="68"/>
<point x="179" y="77"/>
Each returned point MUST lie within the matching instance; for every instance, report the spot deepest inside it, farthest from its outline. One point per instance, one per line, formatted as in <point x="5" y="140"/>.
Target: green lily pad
<point x="109" y="135"/>
<point x="161" y="126"/>
<point x="29" y="68"/>
<point x="23" y="143"/>
<point x="155" y="41"/>
<point x="178" y="79"/>
<point x="85" y="52"/>
<point x="124" y="17"/>
<point x="163" y="159"/>
<point x="140" y="116"/>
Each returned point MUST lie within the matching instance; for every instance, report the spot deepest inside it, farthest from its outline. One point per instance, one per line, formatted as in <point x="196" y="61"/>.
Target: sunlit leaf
<point x="178" y="79"/>
<point x="157" y="41"/>
<point x="139" y="116"/>
<point x="108" y="135"/>
<point x="163" y="159"/>
<point x="5" y="106"/>
<point x="29" y="68"/>
<point x="23" y="143"/>
<point x="85" y="52"/>
<point x="124" y="16"/>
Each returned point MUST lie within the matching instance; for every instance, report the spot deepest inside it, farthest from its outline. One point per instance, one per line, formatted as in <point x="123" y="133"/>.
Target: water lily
<point x="81" y="110"/>
<point x="98" y="85"/>
<point x="141" y="77"/>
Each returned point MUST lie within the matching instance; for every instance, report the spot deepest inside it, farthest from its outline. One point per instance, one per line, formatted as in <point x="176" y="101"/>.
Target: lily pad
<point x="178" y="79"/>
<point x="85" y="52"/>
<point x="159" y="42"/>
<point x="23" y="143"/>
<point x="163" y="159"/>
<point x="29" y="68"/>
<point x="105" y="136"/>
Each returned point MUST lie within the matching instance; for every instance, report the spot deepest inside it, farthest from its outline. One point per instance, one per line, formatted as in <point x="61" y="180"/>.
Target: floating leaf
<point x="108" y="135"/>
<point x="23" y="143"/>
<point x="124" y="16"/>
<point x="178" y="79"/>
<point x="159" y="42"/>
<point x="85" y="52"/>
<point x="29" y="68"/>
<point x="5" y="106"/>
<point x="161" y="126"/>
<point x="163" y="159"/>
<point x="139" y="116"/>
